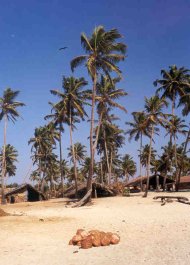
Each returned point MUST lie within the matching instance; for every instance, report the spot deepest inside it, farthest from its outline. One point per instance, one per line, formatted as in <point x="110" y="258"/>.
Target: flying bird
<point x="63" y="48"/>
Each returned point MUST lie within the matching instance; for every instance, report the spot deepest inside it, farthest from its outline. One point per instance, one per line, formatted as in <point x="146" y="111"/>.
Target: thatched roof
<point x="137" y="181"/>
<point x="25" y="187"/>
<point x="185" y="179"/>
<point x="101" y="189"/>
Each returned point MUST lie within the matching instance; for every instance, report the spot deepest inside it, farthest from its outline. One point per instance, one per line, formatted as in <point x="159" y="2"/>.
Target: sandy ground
<point x="150" y="233"/>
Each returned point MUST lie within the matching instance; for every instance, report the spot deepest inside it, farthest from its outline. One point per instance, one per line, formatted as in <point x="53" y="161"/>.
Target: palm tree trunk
<point x="175" y="157"/>
<point x="148" y="165"/>
<point x="92" y="149"/>
<point x="101" y="170"/>
<point x="127" y="177"/>
<point x="98" y="131"/>
<point x="173" y="113"/>
<point x="60" y="158"/>
<point x="140" y="161"/>
<point x="181" y="166"/>
<point x="173" y="105"/>
<point x="107" y="160"/>
<point x="110" y="169"/>
<point x="3" y="200"/>
<point x="164" y="184"/>
<point x="157" y="181"/>
<point x="74" y="158"/>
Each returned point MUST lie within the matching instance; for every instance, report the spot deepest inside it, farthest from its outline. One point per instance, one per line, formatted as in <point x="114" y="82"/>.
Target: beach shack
<point x="153" y="180"/>
<point x="184" y="183"/>
<point x="25" y="192"/>
<point x="98" y="190"/>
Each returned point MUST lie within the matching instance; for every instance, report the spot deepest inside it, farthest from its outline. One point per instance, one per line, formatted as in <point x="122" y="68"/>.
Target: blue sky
<point x="31" y="33"/>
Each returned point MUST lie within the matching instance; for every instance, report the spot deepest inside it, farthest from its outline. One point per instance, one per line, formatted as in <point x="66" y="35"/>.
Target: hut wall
<point x="33" y="196"/>
<point x="184" y="186"/>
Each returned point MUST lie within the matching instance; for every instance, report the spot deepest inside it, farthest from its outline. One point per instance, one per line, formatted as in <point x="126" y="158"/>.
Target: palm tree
<point x="174" y="83"/>
<point x="145" y="156"/>
<point x="174" y="127"/>
<point x="139" y="128"/>
<point x="110" y="139"/>
<point x="103" y="52"/>
<point x="43" y="142"/>
<point x="11" y="155"/>
<point x="71" y="105"/>
<point x="181" y="166"/>
<point x="128" y="166"/>
<point x="153" y="108"/>
<point x="80" y="152"/>
<point x="167" y="161"/>
<point x="8" y="112"/>
<point x="106" y="95"/>
<point x="57" y="119"/>
<point x="185" y="101"/>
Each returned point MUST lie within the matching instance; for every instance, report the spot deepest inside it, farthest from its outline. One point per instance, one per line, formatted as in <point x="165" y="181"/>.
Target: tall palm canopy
<point x="128" y="166"/>
<point x="80" y="152"/>
<point x="71" y="108"/>
<point x="138" y="126"/>
<point x="8" y="111"/>
<point x="72" y="99"/>
<point x="8" y="105"/>
<point x="155" y="116"/>
<point x="174" y="83"/>
<point x="102" y="52"/>
<point x="11" y="155"/>
<point x="107" y="93"/>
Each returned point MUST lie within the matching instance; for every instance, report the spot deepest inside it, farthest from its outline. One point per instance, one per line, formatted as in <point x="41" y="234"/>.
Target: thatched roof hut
<point x="98" y="190"/>
<point x="152" y="181"/>
<point x="32" y="193"/>
<point x="184" y="183"/>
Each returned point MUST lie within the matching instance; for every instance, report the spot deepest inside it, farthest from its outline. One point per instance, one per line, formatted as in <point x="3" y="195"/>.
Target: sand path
<point x="150" y="233"/>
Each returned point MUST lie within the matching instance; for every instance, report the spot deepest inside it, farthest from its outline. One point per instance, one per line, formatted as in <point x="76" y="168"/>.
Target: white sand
<point x="150" y="233"/>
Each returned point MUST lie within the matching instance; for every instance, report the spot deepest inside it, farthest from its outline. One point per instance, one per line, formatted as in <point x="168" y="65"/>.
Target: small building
<point x="184" y="183"/>
<point x="136" y="182"/>
<point x="98" y="190"/>
<point x="25" y="192"/>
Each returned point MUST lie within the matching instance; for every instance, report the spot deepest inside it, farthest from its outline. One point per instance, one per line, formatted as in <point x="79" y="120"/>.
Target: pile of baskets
<point x="94" y="238"/>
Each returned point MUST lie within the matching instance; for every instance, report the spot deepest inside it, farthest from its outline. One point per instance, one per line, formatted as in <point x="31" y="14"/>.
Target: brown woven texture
<point x="94" y="238"/>
<point x="86" y="242"/>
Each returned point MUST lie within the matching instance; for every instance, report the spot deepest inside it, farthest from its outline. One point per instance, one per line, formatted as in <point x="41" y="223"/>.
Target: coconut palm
<point x="128" y="166"/>
<point x="174" y="83"/>
<point x="174" y="127"/>
<point x="11" y="155"/>
<point x="43" y="143"/>
<point x="86" y="167"/>
<point x="153" y="109"/>
<point x="185" y="102"/>
<point x="103" y="52"/>
<point x="139" y="128"/>
<point x="8" y="112"/>
<point x="58" y="118"/>
<point x="106" y="96"/>
<point x="182" y="164"/>
<point x="71" y="105"/>
<point x="80" y="152"/>
<point x="145" y="156"/>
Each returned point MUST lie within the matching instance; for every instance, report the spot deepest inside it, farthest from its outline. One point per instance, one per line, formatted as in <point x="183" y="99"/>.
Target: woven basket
<point x="96" y="240"/>
<point x="105" y="241"/>
<point x="109" y="235"/>
<point x="86" y="242"/>
<point x="76" y="238"/>
<point x="82" y="233"/>
<point x="115" y="239"/>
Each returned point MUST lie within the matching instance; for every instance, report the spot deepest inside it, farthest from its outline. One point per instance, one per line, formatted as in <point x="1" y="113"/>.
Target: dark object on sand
<point x="165" y="199"/>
